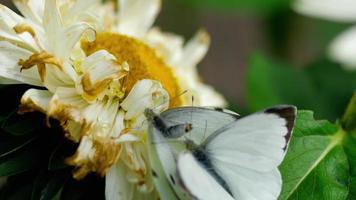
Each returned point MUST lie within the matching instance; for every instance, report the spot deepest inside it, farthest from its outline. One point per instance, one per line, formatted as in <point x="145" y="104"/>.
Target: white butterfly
<point x="207" y="154"/>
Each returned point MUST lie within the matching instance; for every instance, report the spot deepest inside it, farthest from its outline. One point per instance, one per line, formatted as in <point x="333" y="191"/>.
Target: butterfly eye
<point x="188" y="127"/>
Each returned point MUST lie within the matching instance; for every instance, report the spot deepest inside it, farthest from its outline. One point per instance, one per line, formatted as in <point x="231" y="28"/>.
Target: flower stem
<point x="349" y="119"/>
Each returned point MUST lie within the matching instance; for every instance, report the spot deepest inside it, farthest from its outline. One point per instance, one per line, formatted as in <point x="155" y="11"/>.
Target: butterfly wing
<point x="204" y="120"/>
<point x="246" y="153"/>
<point x="197" y="181"/>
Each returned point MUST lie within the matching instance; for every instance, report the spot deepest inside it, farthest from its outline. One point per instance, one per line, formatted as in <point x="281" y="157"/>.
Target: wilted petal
<point x="17" y="30"/>
<point x="337" y="10"/>
<point x="35" y="100"/>
<point x="67" y="104"/>
<point x="135" y="17"/>
<point x="343" y="48"/>
<point x="100" y="69"/>
<point x="145" y="94"/>
<point x="10" y="55"/>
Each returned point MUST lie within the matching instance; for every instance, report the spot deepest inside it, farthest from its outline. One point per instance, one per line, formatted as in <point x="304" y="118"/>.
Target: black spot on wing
<point x="172" y="179"/>
<point x="288" y="113"/>
<point x="154" y="174"/>
<point x="237" y="116"/>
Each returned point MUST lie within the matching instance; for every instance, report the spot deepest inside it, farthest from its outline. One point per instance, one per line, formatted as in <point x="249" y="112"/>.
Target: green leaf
<point x="9" y="146"/>
<point x="19" y="125"/>
<point x="316" y="165"/>
<point x="19" y="163"/>
<point x="266" y="5"/>
<point x="349" y="119"/>
<point x="48" y="184"/>
<point x="323" y="87"/>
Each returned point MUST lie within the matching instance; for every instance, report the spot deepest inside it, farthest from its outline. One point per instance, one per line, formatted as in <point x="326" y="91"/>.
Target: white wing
<point x="246" y="153"/>
<point x="197" y="181"/>
<point x="205" y="120"/>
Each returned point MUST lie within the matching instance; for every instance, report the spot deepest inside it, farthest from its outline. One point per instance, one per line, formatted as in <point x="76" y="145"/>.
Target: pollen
<point x="143" y="62"/>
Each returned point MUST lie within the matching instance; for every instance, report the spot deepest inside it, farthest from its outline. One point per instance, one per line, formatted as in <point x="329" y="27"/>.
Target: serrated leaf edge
<point x="335" y="140"/>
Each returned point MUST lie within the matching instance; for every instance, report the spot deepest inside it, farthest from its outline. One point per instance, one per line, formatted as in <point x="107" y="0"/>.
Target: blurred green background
<point x="253" y="41"/>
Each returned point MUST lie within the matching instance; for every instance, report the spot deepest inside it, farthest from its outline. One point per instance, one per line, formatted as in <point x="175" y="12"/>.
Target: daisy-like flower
<point x="343" y="48"/>
<point x="100" y="66"/>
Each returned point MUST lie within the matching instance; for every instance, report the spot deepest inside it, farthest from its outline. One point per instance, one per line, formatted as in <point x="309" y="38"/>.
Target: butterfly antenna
<point x="205" y="129"/>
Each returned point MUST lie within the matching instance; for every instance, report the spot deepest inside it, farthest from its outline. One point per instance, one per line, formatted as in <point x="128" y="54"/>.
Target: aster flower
<point x="98" y="71"/>
<point x="343" y="48"/>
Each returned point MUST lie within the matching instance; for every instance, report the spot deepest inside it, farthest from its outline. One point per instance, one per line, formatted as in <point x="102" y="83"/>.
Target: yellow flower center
<point x="143" y="62"/>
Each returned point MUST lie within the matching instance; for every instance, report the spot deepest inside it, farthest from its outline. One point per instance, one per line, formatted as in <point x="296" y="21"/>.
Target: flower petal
<point x="207" y="96"/>
<point x="145" y="94"/>
<point x="195" y="50"/>
<point x="59" y="39"/>
<point x="100" y="69"/>
<point x="116" y="185"/>
<point x="10" y="55"/>
<point x="35" y="100"/>
<point x="31" y="9"/>
<point x="337" y="10"/>
<point x="343" y="48"/>
<point x="168" y="45"/>
<point x="10" y="22"/>
<point x="135" y="17"/>
<point x="67" y="104"/>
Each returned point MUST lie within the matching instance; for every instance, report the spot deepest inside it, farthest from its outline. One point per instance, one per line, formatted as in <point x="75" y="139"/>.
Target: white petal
<point x="67" y="104"/>
<point x="10" y="55"/>
<point x="100" y="65"/>
<point x="195" y="49"/>
<point x="207" y="96"/>
<point x="117" y="186"/>
<point x="60" y="40"/>
<point x="55" y="78"/>
<point x="337" y="10"/>
<point x="343" y="48"/>
<point x="168" y="45"/>
<point x="37" y="99"/>
<point x="8" y="20"/>
<point x="145" y="94"/>
<point x="31" y="9"/>
<point x="79" y="8"/>
<point x="135" y="17"/>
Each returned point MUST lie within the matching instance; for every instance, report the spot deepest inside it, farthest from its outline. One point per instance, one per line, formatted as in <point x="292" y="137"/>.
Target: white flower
<point x="135" y="19"/>
<point x="343" y="48"/>
<point x="99" y="70"/>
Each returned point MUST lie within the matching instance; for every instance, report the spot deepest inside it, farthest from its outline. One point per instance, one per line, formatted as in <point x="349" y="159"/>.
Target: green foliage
<point x="323" y="87"/>
<point x="316" y="165"/>
<point x="266" y="5"/>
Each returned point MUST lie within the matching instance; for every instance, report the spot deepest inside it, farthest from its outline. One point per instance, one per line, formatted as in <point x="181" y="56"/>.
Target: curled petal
<point x="35" y="100"/>
<point x="100" y="69"/>
<point x="17" y="30"/>
<point x="135" y="17"/>
<point x="145" y="94"/>
<point x="10" y="55"/>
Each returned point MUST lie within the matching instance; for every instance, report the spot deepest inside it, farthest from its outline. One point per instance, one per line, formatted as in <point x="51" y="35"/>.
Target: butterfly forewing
<point x="246" y="153"/>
